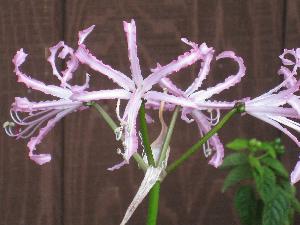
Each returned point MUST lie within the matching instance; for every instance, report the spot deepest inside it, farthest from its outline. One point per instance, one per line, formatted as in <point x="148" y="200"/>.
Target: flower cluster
<point x="278" y="107"/>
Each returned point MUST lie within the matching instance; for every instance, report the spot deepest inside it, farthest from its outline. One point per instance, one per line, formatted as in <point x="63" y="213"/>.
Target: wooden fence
<point x="75" y="188"/>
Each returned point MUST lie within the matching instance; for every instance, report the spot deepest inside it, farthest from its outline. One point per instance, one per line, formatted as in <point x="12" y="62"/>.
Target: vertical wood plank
<point x="253" y="29"/>
<point x="29" y="194"/>
<point x="292" y="40"/>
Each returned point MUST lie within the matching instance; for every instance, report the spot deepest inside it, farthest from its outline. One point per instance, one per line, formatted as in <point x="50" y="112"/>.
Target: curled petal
<point x="34" y="141"/>
<point x="84" y="33"/>
<point x="171" y="87"/>
<point x="103" y="94"/>
<point x="288" y="75"/>
<point x="204" y="126"/>
<point x="152" y="175"/>
<point x="85" y="57"/>
<point x="285" y="61"/>
<point x="229" y="81"/>
<point x="72" y="63"/>
<point x="182" y="61"/>
<point x="40" y="159"/>
<point x="204" y="70"/>
<point x="51" y="58"/>
<point x="295" y="175"/>
<point x="130" y="30"/>
<point x="81" y="88"/>
<point x="18" y="60"/>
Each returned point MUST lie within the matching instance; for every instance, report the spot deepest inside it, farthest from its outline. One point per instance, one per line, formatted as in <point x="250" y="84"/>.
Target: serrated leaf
<point x="236" y="175"/>
<point x="238" y="144"/>
<point x="265" y="184"/>
<point x="276" y="166"/>
<point x="235" y="159"/>
<point x="276" y="211"/>
<point x="245" y="204"/>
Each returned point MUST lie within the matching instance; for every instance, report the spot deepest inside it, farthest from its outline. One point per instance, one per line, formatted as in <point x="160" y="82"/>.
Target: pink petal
<point x="18" y="60"/>
<point x="182" y="61"/>
<point x="51" y="58"/>
<point x="229" y="81"/>
<point x="40" y="159"/>
<point x="24" y="105"/>
<point x="84" y="33"/>
<point x="130" y="117"/>
<point x="270" y="120"/>
<point x="205" y="126"/>
<point x="81" y="88"/>
<point x="204" y="70"/>
<point x="295" y="175"/>
<point x="85" y="57"/>
<point x="288" y="75"/>
<point x="103" y="94"/>
<point x="295" y="103"/>
<point x="159" y="97"/>
<point x="130" y="30"/>
<point x="118" y="166"/>
<point x="34" y="141"/>
<point x="72" y="63"/>
<point x="171" y="87"/>
<point x="286" y="61"/>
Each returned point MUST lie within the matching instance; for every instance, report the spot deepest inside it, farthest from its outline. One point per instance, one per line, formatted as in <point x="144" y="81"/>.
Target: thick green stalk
<point x="145" y="136"/>
<point x="204" y="139"/>
<point x="153" y="204"/>
<point x="104" y="115"/>
<point x="166" y="144"/>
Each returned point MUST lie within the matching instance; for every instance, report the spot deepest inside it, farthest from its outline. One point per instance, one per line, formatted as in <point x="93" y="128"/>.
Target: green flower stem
<point x="196" y="147"/>
<point x="145" y="136"/>
<point x="153" y="204"/>
<point x="167" y="140"/>
<point x="104" y="115"/>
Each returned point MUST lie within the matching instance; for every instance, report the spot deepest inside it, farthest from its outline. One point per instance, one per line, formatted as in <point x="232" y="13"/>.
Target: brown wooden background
<point x="75" y="188"/>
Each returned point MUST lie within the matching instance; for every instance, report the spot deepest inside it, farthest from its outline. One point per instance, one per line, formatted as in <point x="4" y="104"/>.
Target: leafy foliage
<point x="265" y="195"/>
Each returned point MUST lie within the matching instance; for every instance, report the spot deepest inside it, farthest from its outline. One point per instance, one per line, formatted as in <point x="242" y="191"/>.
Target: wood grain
<point x="192" y="195"/>
<point x="75" y="188"/>
<point x="29" y="194"/>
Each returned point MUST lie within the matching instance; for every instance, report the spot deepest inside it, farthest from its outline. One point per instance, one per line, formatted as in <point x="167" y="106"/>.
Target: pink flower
<point x="193" y="99"/>
<point x="139" y="87"/>
<point x="50" y="111"/>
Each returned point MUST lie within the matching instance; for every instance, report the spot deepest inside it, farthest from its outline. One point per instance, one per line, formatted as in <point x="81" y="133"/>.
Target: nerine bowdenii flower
<point x="43" y="114"/>
<point x="138" y="87"/>
<point x="195" y="103"/>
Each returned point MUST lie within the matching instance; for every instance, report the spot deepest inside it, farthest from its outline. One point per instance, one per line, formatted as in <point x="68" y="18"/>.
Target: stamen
<point x="119" y="133"/>
<point x="31" y="123"/>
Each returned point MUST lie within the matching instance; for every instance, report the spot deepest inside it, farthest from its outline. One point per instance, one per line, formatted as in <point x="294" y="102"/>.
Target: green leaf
<point x="276" y="211"/>
<point x="236" y="175"/>
<point x="265" y="184"/>
<point x="238" y="144"/>
<point x="272" y="152"/>
<point x="235" y="159"/>
<point x="276" y="166"/>
<point x="295" y="204"/>
<point x="245" y="204"/>
<point x="255" y="163"/>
